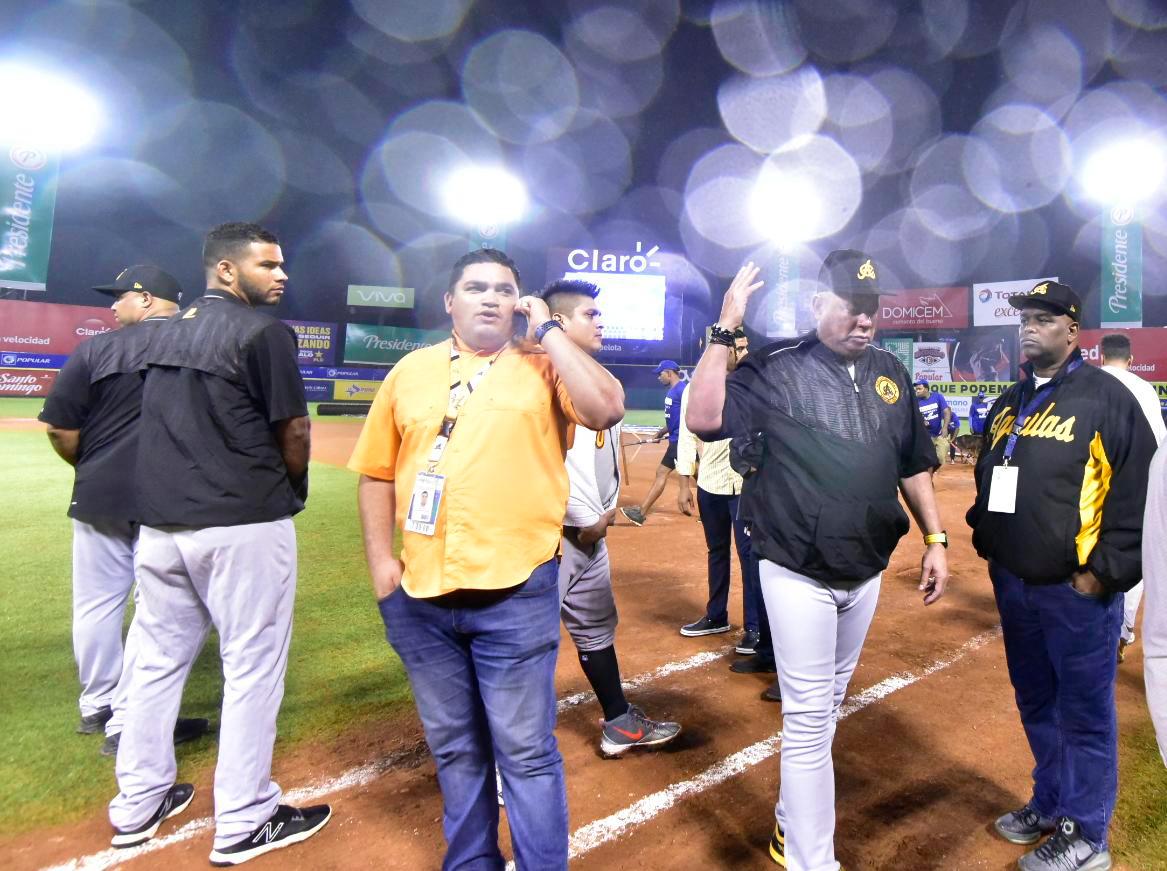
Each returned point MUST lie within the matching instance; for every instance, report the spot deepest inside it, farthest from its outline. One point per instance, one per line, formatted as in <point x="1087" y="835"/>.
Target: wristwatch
<point x="545" y="327"/>
<point x="937" y="538"/>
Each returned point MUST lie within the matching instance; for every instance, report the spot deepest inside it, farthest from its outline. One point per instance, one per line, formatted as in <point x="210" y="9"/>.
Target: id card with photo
<point x="1003" y="490"/>
<point x="422" y="516"/>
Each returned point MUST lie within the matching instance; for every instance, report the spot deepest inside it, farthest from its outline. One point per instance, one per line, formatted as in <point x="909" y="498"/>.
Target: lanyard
<point x="1028" y="408"/>
<point x="459" y="394"/>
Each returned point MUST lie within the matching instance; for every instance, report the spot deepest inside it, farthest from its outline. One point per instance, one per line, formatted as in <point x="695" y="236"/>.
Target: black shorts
<point x="669" y="460"/>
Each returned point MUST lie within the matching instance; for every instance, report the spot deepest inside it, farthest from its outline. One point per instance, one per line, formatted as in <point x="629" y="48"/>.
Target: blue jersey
<point x="673" y="409"/>
<point x="932" y="408"/>
<point x="977" y="415"/>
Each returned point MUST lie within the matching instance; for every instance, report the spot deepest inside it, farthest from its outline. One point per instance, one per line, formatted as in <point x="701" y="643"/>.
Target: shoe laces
<point x="1058" y="852"/>
<point x="1028" y="817"/>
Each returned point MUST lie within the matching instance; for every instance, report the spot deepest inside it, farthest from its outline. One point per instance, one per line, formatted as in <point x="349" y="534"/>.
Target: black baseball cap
<point x="852" y="275"/>
<point x="144" y="279"/>
<point x="1052" y="295"/>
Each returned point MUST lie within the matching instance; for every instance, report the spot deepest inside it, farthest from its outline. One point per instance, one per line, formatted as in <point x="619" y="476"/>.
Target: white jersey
<point x="593" y="468"/>
<point x="1147" y="396"/>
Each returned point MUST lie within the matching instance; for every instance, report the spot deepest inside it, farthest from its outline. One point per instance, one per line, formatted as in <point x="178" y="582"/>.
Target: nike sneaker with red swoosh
<point x="634" y="729"/>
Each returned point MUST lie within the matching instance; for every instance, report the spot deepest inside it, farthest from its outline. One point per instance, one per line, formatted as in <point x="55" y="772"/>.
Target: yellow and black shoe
<point x="778" y="846"/>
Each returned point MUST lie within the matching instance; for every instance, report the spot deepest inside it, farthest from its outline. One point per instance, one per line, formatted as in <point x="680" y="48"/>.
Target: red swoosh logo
<point x="632" y="736"/>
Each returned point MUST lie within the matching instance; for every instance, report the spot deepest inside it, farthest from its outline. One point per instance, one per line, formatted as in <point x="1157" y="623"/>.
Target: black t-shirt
<point x="220" y="379"/>
<point x="99" y="393"/>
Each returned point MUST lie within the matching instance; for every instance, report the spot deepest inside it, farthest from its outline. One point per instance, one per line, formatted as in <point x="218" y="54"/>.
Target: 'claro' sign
<point x="597" y="260"/>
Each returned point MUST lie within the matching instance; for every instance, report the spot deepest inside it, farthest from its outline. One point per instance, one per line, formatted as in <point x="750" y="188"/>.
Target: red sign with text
<point x="26" y="382"/>
<point x="929" y="308"/>
<point x="50" y="328"/>
<point x="1148" y="347"/>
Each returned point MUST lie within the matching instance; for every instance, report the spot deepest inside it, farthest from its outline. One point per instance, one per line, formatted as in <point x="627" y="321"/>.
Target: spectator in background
<point x="669" y="374"/>
<point x="1117" y="359"/>
<point x="937" y="417"/>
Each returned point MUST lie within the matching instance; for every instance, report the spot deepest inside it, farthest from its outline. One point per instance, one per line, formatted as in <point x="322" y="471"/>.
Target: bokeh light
<point x="46" y="110"/>
<point x="1126" y="172"/>
<point x="484" y="195"/>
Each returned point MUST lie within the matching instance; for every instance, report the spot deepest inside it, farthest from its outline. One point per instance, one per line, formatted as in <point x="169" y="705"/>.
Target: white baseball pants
<point x="103" y="575"/>
<point x="1155" y="579"/>
<point x="1132" y="598"/>
<point x="818" y="634"/>
<point x="241" y="579"/>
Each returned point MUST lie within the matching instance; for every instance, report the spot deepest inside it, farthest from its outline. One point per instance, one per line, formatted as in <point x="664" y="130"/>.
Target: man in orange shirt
<point x="481" y="424"/>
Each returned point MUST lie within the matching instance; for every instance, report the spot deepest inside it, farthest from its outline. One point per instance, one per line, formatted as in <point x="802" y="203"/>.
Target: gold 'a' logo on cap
<point x="887" y="389"/>
<point x="866" y="271"/>
<point x="1039" y="290"/>
<point x="137" y="285"/>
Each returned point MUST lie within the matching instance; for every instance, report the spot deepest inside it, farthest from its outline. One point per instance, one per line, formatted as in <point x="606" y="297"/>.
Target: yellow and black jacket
<point x="1082" y="459"/>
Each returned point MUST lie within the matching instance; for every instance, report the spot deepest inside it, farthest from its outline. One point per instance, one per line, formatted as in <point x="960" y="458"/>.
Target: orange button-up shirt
<point x="505" y="494"/>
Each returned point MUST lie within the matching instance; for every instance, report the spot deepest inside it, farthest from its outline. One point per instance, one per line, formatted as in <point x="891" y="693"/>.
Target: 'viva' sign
<point x="372" y="296"/>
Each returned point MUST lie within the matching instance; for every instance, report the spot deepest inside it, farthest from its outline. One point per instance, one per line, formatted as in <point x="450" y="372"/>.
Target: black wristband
<point x="719" y="335"/>
<point x="545" y="327"/>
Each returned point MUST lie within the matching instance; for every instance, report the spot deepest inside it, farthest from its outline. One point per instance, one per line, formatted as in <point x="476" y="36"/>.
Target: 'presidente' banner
<point x="1122" y="268"/>
<point x="316" y="341"/>
<point x="991" y="301"/>
<point x="28" y="197"/>
<point x="928" y="308"/>
<point x="373" y="296"/>
<point x="366" y="343"/>
<point x="46" y="328"/>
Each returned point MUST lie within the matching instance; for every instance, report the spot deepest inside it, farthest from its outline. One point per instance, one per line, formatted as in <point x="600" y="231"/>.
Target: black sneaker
<point x="749" y="643"/>
<point x="704" y="626"/>
<point x="772" y="693"/>
<point x="634" y="729"/>
<point x="186" y="729"/>
<point x="635" y="515"/>
<point x="174" y="802"/>
<point x="288" y="825"/>
<point x="93" y="723"/>
<point x="1066" y="850"/>
<point x="755" y="664"/>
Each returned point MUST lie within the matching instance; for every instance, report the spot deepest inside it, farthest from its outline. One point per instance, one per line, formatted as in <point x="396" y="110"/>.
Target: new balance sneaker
<point x="186" y="729"/>
<point x="704" y="626"/>
<point x="1066" y="850"/>
<point x="288" y="825"/>
<point x="634" y="729"/>
<point x="778" y="846"/>
<point x="1024" y="826"/>
<point x="174" y="802"/>
<point x="635" y="515"/>
<point x="91" y="724"/>
<point x="748" y="645"/>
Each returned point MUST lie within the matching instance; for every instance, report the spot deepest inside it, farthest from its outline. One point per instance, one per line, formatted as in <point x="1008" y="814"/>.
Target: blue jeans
<point x="482" y="670"/>
<point x="1061" y="647"/>
<point x="718" y="519"/>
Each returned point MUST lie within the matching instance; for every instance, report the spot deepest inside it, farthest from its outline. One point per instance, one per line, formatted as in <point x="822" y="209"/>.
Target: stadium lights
<point x="1125" y="172"/>
<point x="484" y="196"/>
<point x="44" y="110"/>
<point x="784" y="207"/>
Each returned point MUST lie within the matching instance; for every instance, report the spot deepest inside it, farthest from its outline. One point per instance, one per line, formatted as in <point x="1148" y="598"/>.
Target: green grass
<point x="1139" y="835"/>
<point x="341" y="673"/>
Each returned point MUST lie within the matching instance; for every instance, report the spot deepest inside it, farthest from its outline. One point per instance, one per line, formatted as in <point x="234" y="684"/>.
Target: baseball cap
<point x="852" y="275"/>
<point x="666" y="364"/>
<point x="921" y="382"/>
<point x="1052" y="295"/>
<point x="144" y="279"/>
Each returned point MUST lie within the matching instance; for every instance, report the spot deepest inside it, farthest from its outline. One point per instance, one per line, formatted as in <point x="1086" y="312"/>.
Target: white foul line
<point x="600" y="832"/>
<point x="359" y="776"/>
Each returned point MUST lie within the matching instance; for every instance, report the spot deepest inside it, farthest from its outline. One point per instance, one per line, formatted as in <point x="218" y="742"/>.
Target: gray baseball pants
<point x="818" y="632"/>
<point x="242" y="580"/>
<point x="587" y="605"/>
<point x="103" y="575"/>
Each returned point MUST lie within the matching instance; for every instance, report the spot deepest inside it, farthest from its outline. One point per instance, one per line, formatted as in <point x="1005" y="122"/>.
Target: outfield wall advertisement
<point x="1148" y="347"/>
<point x="26" y="382"/>
<point x="28" y="196"/>
<point x="384" y="346"/>
<point x="47" y="329"/>
<point x="316" y="342"/>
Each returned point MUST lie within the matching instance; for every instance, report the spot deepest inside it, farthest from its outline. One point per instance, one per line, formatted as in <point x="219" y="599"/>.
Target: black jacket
<point x="1082" y="461"/>
<point x="829" y="452"/>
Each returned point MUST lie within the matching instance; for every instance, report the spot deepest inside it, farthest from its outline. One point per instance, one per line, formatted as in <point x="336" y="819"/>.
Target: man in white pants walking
<point x="1117" y="359"/>
<point x="829" y="426"/>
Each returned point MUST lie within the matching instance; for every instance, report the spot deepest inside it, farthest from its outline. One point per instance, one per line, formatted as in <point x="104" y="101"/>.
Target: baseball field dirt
<point x="929" y="752"/>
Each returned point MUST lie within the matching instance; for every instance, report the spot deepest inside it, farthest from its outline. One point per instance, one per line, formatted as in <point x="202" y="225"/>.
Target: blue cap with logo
<point x="665" y="365"/>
